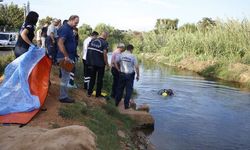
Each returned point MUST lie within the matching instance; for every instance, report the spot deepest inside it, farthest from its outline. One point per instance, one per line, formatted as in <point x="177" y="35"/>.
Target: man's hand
<point x="66" y="58"/>
<point x="137" y="78"/>
<point x="107" y="67"/>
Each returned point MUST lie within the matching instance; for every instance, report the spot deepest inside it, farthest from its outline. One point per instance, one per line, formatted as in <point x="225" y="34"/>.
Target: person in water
<point x="166" y="92"/>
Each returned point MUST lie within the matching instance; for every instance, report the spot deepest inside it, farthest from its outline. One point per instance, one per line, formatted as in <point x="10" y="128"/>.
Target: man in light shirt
<point x="52" y="39"/>
<point x="127" y="65"/>
<point x="86" y="71"/>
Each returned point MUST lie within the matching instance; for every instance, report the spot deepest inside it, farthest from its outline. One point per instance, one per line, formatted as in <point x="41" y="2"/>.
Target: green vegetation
<point x="11" y="17"/>
<point x="103" y="121"/>
<point x="4" y="61"/>
<point x="223" y="43"/>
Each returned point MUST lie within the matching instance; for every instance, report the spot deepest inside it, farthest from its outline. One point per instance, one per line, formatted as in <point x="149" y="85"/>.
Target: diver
<point x="166" y="92"/>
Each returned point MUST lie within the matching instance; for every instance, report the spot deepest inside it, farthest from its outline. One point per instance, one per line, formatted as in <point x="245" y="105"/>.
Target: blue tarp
<point x="15" y="93"/>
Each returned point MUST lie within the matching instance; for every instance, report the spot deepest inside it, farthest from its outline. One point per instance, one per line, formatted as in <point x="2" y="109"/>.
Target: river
<point x="203" y="114"/>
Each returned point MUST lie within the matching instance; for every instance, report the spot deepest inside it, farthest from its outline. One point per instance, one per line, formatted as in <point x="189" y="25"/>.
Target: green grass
<point x="73" y="111"/>
<point x="226" y="43"/>
<point x="103" y="121"/>
<point x="4" y="61"/>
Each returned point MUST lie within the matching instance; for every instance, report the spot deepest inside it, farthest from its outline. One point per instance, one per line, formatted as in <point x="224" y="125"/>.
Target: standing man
<point x="44" y="34"/>
<point x="114" y="71"/>
<point x="52" y="39"/>
<point x="86" y="71"/>
<point x="127" y="65"/>
<point x="38" y="37"/>
<point x="67" y="51"/>
<point x="97" y="59"/>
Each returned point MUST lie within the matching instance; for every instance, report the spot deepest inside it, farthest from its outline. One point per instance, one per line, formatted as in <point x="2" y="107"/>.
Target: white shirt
<point x="52" y="29"/>
<point x="85" y="47"/>
<point x="38" y="34"/>
<point x="127" y="62"/>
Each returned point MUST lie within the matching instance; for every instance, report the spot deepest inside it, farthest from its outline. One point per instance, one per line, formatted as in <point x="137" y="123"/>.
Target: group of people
<point x="61" y="43"/>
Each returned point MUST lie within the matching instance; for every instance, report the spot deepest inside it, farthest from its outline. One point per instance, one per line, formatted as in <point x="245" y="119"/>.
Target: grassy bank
<point x="4" y="61"/>
<point x="104" y="121"/>
<point x="221" y="51"/>
<point x="234" y="72"/>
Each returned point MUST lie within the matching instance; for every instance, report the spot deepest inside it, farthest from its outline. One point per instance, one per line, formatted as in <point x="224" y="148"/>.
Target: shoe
<point x="71" y="86"/>
<point x="89" y="95"/>
<point x="67" y="100"/>
<point x="127" y="107"/>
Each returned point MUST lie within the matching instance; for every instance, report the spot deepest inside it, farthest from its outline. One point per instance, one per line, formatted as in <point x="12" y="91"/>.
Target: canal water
<point x="203" y="114"/>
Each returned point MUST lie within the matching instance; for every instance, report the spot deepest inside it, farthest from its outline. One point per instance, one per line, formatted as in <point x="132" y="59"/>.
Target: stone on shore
<point x="143" y="119"/>
<point x="70" y="137"/>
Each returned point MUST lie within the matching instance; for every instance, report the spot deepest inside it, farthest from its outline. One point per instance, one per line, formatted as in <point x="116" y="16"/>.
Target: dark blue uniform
<point x="66" y="32"/>
<point x="95" y="61"/>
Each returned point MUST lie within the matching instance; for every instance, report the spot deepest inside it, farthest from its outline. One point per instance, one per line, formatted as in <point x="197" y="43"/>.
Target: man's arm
<point x="25" y="37"/>
<point x="116" y="63"/>
<point x="52" y="37"/>
<point x="62" y="48"/>
<point x="105" y="55"/>
<point x="137" y="70"/>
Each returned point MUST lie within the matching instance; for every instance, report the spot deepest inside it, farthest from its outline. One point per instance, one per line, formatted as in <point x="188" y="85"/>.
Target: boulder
<point x="143" y="107"/>
<point x="143" y="119"/>
<point x="70" y="137"/>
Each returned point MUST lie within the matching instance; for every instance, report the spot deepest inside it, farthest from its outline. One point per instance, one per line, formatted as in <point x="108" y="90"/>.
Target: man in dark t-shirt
<point x="96" y="60"/>
<point x="21" y="46"/>
<point x="67" y="51"/>
<point x="26" y="34"/>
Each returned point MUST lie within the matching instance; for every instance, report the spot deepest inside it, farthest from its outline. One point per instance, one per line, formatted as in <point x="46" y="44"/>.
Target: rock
<point x="151" y="147"/>
<point x="71" y="137"/>
<point x="143" y="107"/>
<point x="121" y="134"/>
<point x="141" y="147"/>
<point x="143" y="119"/>
<point x="132" y="104"/>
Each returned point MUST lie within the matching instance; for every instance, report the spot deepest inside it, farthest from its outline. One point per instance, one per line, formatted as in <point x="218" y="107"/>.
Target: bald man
<point x="97" y="59"/>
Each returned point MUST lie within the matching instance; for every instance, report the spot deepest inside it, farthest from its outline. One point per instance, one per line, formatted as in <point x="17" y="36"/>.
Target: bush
<point x="4" y="61"/>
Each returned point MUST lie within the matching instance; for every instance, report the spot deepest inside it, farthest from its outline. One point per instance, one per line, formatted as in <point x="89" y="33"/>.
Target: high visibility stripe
<point x="94" y="49"/>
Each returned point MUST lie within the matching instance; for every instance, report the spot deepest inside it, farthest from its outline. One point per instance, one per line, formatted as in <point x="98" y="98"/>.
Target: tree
<point x="11" y="17"/>
<point x="43" y="21"/>
<point x="115" y="35"/>
<point x="163" y="25"/>
<point x="206" y="23"/>
<point x="84" y="31"/>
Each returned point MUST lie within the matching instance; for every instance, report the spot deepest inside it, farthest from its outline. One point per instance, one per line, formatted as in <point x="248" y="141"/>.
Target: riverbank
<point x="109" y="127"/>
<point x="210" y="68"/>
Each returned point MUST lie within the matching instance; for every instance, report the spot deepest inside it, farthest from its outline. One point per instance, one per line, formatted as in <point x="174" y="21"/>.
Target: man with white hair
<point x="52" y="39"/>
<point x="114" y="71"/>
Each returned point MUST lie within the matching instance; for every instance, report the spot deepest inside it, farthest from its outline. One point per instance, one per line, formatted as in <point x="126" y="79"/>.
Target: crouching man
<point x="127" y="65"/>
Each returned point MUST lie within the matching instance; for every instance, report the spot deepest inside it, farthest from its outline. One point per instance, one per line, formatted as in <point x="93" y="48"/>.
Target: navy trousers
<point x="126" y="81"/>
<point x="99" y="71"/>
<point x="115" y="74"/>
